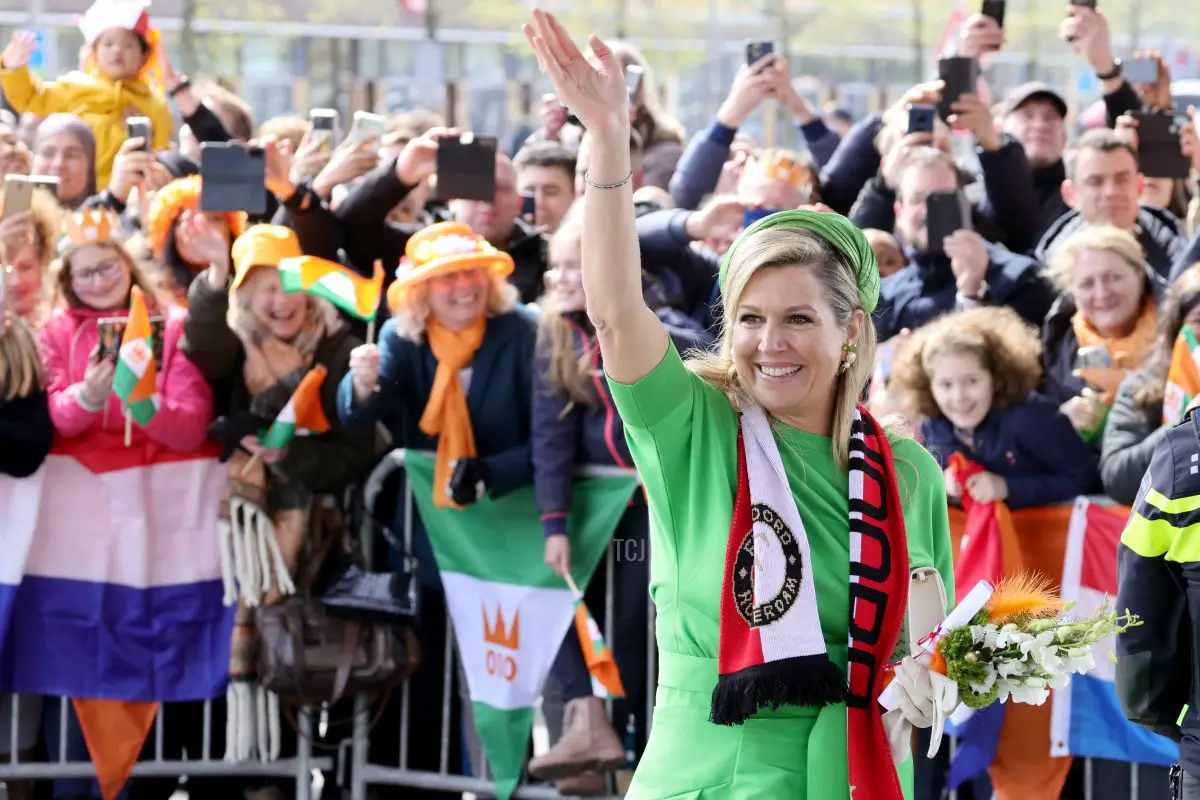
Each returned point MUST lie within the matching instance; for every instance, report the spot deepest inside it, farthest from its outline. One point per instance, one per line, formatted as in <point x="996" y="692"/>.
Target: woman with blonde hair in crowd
<point x="453" y="372"/>
<point x="752" y="458"/>
<point x="1102" y="326"/>
<point x="29" y="240"/>
<point x="26" y="433"/>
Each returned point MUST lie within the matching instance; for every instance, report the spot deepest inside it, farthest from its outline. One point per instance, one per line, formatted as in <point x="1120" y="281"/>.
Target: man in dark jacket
<point x="959" y="272"/>
<point x="1035" y="115"/>
<point x="1158" y="571"/>
<point x="1103" y="184"/>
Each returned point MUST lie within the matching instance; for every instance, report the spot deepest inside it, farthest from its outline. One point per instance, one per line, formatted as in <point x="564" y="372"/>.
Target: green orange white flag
<point x="135" y="380"/>
<point x="343" y="287"/>
<point x="606" y="678"/>
<point x="302" y="416"/>
<point x="1183" y="377"/>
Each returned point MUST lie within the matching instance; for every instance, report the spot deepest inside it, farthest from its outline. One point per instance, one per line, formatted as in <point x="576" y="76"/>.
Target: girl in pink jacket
<point x="94" y="280"/>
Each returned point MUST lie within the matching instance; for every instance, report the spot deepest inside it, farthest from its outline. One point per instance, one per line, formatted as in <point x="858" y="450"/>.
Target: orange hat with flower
<point x="172" y="200"/>
<point x="443" y="249"/>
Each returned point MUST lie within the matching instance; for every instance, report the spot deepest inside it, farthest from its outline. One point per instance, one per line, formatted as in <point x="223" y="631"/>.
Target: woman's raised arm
<point x="632" y="339"/>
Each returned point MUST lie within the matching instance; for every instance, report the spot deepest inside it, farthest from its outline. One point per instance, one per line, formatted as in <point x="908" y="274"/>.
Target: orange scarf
<point x="1126" y="352"/>
<point x="446" y="415"/>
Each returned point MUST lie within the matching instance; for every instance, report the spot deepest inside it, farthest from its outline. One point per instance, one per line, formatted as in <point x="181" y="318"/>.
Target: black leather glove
<point x="470" y="480"/>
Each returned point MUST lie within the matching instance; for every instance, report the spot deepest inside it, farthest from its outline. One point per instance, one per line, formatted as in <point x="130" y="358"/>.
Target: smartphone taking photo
<point x="946" y="213"/>
<point x="323" y="125"/>
<point x="231" y="178"/>
<point x="961" y="76"/>
<point x="466" y="168"/>
<point x="139" y="128"/>
<point x="756" y="51"/>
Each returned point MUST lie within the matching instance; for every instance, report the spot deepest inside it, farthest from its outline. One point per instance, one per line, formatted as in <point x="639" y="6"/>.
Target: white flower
<point x="1060" y="680"/>
<point x="1030" y="696"/>
<point x="989" y="681"/>
<point x="1084" y="663"/>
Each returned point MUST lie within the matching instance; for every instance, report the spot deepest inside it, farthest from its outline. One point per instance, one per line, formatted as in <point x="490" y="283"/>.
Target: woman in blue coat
<point x="453" y="372"/>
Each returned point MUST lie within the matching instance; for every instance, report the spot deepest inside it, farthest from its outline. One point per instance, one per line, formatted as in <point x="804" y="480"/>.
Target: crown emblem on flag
<point x="498" y="634"/>
<point x="90" y="226"/>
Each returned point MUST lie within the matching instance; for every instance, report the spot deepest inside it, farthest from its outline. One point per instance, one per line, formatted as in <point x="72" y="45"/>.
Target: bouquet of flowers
<point x="1021" y="644"/>
<point x="1015" y="642"/>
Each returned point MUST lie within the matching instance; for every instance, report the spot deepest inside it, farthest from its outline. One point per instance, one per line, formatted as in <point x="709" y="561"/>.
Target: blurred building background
<point x="467" y="57"/>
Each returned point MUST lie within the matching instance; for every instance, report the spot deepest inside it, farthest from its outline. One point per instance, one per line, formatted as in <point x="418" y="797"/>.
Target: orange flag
<point x="606" y="678"/>
<point x="115" y="731"/>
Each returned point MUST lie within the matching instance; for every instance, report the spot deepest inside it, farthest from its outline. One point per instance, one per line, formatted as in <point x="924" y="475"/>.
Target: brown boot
<point x="588" y="743"/>
<point x="586" y="784"/>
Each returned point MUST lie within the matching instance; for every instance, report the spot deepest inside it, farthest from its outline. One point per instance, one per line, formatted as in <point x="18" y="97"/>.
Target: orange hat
<point x="262" y="246"/>
<point x="443" y="249"/>
<point x="169" y="202"/>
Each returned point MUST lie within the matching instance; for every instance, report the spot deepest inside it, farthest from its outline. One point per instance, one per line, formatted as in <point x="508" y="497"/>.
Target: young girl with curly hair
<point x="970" y="376"/>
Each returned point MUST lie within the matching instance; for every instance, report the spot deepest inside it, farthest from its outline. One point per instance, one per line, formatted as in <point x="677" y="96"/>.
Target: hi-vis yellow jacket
<point x="1158" y="573"/>
<point x="101" y="103"/>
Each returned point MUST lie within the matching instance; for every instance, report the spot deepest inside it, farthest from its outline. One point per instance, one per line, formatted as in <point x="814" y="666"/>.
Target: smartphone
<point x="323" y="122"/>
<point x="758" y="50"/>
<point x="1094" y="357"/>
<point x="1160" y="152"/>
<point x="920" y="118"/>
<point x="466" y="168"/>
<point x="367" y="127"/>
<point x="633" y="81"/>
<point x="1140" y="70"/>
<point x="995" y="10"/>
<point x="231" y="178"/>
<point x="112" y="329"/>
<point x="47" y="182"/>
<point x="1084" y="3"/>
<point x="139" y="128"/>
<point x="945" y="213"/>
<point x="529" y="207"/>
<point x="18" y="194"/>
<point x="961" y="76"/>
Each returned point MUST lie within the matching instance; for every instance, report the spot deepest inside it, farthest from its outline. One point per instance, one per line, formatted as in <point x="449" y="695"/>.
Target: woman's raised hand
<point x="592" y="87"/>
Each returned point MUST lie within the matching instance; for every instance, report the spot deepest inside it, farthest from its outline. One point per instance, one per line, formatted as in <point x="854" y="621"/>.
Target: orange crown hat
<point x="776" y="165"/>
<point x="128" y="15"/>
<point x="442" y="249"/>
<point x="182" y="194"/>
<point x="88" y="226"/>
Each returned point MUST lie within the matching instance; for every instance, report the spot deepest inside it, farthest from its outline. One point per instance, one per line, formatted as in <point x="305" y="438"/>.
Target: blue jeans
<point x="76" y="751"/>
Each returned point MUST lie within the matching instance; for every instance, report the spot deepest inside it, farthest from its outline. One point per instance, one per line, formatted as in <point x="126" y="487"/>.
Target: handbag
<point x="308" y="656"/>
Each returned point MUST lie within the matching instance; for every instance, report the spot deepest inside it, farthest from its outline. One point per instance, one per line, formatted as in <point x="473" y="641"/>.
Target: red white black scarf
<point x="772" y="651"/>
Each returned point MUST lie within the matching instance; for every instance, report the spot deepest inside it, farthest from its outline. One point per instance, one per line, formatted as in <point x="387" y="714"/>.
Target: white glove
<point x="924" y="699"/>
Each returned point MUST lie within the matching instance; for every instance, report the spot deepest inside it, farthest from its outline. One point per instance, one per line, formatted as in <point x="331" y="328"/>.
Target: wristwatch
<point x="1115" y="72"/>
<point x="979" y="297"/>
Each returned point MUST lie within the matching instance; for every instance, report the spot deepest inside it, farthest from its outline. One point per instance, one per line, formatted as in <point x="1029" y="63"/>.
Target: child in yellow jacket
<point x="116" y="85"/>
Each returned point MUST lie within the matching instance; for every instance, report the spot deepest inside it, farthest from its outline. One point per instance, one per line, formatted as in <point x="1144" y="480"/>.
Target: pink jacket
<point x="185" y="398"/>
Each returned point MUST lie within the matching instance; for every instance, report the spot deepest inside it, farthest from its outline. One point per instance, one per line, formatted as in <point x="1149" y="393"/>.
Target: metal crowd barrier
<point x="364" y="773"/>
<point x="1143" y="780"/>
<point x="298" y="768"/>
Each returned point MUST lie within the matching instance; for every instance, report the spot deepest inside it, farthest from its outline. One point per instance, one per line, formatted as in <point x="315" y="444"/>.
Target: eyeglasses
<point x="106" y="270"/>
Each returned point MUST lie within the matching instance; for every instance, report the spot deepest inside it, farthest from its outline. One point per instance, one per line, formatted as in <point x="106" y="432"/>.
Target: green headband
<point x="833" y="228"/>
